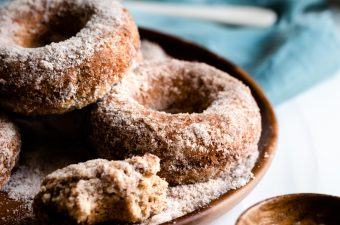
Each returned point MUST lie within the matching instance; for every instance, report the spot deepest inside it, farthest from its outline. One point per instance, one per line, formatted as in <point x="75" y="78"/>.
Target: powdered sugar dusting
<point x="152" y="51"/>
<point x="183" y="199"/>
<point x="57" y="67"/>
<point x="197" y="119"/>
<point x="26" y="180"/>
<point x="25" y="183"/>
<point x="106" y="15"/>
<point x="35" y="163"/>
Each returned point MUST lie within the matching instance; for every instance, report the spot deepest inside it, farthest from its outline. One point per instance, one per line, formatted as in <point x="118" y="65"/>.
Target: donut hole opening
<point x="183" y="95"/>
<point x="56" y="25"/>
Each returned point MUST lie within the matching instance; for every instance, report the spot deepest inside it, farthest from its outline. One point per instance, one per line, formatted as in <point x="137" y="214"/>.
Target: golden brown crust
<point x="10" y="144"/>
<point x="199" y="120"/>
<point x="58" y="77"/>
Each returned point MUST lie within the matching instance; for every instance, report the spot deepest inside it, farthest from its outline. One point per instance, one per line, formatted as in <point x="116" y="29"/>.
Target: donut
<point x="152" y="51"/>
<point x="198" y="120"/>
<point x="60" y="55"/>
<point x="10" y="143"/>
<point x="100" y="190"/>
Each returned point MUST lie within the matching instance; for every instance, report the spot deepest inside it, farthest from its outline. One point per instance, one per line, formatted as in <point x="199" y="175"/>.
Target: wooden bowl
<point x="185" y="50"/>
<point x="299" y="209"/>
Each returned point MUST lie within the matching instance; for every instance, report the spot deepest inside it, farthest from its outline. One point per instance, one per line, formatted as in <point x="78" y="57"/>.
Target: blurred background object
<point x="251" y="16"/>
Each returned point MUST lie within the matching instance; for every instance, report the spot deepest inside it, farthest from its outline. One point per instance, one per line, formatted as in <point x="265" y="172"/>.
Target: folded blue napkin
<point x="300" y="50"/>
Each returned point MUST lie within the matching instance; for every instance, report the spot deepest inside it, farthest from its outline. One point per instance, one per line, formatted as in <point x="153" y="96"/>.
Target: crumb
<point x="266" y="155"/>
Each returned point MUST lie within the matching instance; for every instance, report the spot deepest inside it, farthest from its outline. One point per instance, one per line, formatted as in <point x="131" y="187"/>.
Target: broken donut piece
<point x="100" y="190"/>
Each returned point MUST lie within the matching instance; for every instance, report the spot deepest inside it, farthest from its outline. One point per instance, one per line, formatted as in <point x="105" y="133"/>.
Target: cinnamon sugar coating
<point x="59" y="55"/>
<point x="152" y="51"/>
<point x="198" y="120"/>
<point x="10" y="143"/>
<point x="100" y="190"/>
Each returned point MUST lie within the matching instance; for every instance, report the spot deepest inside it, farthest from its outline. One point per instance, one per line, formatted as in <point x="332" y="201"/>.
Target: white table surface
<point x="308" y="151"/>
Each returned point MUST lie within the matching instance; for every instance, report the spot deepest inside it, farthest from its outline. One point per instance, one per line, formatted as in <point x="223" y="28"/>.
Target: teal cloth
<point x="300" y="50"/>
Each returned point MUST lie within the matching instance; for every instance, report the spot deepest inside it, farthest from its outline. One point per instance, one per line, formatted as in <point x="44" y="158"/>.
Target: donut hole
<point x="53" y="26"/>
<point x="184" y="94"/>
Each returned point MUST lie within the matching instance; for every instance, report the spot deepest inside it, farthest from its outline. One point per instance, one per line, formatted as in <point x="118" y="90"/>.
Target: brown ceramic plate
<point x="184" y="50"/>
<point x="302" y="209"/>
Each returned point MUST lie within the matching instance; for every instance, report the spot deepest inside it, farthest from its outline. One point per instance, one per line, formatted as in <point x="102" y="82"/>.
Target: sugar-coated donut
<point x="152" y="51"/>
<point x="10" y="143"/>
<point x="198" y="120"/>
<point x="58" y="55"/>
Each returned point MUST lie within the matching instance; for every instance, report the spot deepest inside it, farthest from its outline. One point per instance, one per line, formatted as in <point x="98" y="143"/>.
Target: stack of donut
<point x="57" y="56"/>
<point x="60" y="55"/>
